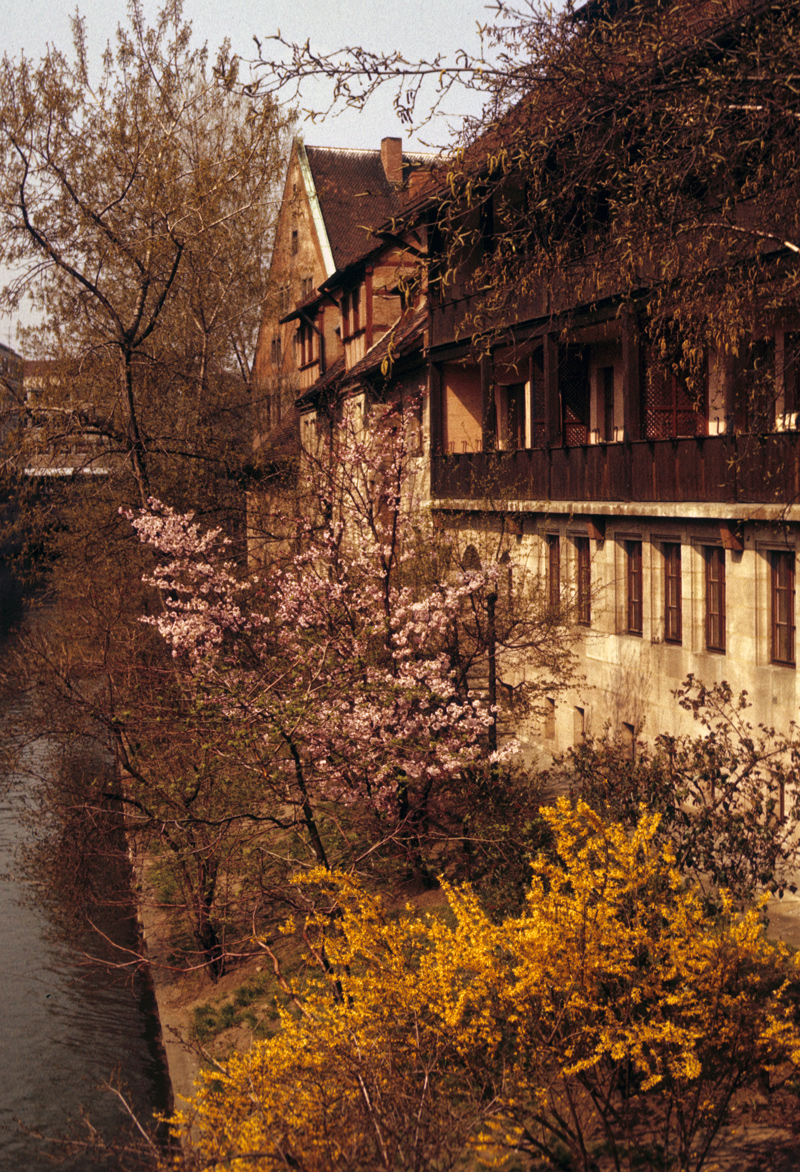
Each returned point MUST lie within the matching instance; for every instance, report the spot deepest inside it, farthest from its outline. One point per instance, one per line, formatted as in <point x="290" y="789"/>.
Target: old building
<point x="655" y="498"/>
<point x="336" y="294"/>
<point x="11" y="396"/>
<point x="602" y="431"/>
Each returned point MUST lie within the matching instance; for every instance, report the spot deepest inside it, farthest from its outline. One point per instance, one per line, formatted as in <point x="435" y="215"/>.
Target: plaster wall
<point x="626" y="681"/>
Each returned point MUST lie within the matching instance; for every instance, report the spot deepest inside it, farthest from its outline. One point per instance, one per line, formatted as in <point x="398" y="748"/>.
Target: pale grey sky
<point x="419" y="28"/>
<point x="416" y="27"/>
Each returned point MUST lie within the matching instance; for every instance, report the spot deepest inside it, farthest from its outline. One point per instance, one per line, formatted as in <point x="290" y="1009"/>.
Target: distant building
<point x="11" y="398"/>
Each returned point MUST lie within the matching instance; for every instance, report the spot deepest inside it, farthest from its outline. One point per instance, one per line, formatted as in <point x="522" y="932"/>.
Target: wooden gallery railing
<point x="725" y="468"/>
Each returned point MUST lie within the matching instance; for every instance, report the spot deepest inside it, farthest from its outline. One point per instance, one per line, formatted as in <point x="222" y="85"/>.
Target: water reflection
<point x="67" y="1027"/>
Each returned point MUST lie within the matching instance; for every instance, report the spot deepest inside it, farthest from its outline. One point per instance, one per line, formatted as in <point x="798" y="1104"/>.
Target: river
<point x="68" y="1027"/>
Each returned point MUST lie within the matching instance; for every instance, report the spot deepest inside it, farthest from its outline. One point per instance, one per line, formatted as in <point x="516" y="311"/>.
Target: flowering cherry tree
<point x="329" y="670"/>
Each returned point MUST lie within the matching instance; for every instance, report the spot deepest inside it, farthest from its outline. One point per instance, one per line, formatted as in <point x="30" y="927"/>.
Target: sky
<point x="427" y="27"/>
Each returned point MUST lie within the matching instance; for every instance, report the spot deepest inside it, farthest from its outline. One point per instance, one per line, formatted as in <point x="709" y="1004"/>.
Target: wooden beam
<point x="489" y="428"/>
<point x="731" y="534"/>
<point x="435" y="408"/>
<point x="552" y="399"/>
<point x="632" y="372"/>
<point x="368" y="314"/>
<point x="596" y="528"/>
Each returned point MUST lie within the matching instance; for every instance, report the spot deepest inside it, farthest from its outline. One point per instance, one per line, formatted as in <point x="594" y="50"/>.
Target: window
<point x="554" y="571"/>
<point x="537" y="399"/>
<point x="628" y="739"/>
<point x="510" y="416"/>
<point x="578" y="725"/>
<point x="754" y="389"/>
<point x="573" y="385"/>
<point x="351" y="316"/>
<point x="515" y="419"/>
<point x="715" y="597"/>
<point x="295" y="242"/>
<point x="672" y="592"/>
<point x="549" y="719"/>
<point x="782" y="569"/>
<point x="633" y="554"/>
<point x="276" y="350"/>
<point x="583" y="567"/>
<point x="305" y="338"/>
<point x="673" y="408"/>
<point x="306" y="287"/>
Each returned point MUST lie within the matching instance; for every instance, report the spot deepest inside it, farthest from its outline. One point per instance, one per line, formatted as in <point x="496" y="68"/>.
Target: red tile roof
<point x="355" y="196"/>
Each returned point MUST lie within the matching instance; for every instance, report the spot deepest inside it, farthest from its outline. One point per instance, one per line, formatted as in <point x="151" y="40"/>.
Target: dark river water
<point x="68" y="1028"/>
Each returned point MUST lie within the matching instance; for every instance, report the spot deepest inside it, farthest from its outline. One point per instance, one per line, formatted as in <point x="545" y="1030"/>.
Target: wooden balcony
<point x="713" y="469"/>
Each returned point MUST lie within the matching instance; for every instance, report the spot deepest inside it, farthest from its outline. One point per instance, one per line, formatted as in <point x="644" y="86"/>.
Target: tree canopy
<point x="642" y="151"/>
<point x="137" y="207"/>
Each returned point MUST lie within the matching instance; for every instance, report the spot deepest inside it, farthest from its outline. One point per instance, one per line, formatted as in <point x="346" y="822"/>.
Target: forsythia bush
<point x="609" y="1024"/>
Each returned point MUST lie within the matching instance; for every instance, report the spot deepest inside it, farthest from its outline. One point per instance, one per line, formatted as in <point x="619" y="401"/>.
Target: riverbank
<point x="182" y="995"/>
<point x="176" y="992"/>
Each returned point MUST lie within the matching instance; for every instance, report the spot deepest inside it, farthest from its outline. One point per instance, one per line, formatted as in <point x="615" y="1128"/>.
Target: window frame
<point x="782" y="565"/>
<point x="554" y="570"/>
<point x="351" y="313"/>
<point x="673" y="593"/>
<point x="583" y="582"/>
<point x="634" y="597"/>
<point x="306" y="339"/>
<point x="715" y="599"/>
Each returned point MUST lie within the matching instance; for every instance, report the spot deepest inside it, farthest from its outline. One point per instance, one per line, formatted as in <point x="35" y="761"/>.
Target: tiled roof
<point x="331" y="375"/>
<point x="283" y="440"/>
<point x="355" y="196"/>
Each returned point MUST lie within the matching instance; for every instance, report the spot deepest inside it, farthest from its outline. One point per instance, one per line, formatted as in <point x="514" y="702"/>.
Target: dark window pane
<point x="715" y="598"/>
<point x="554" y="571"/>
<point x="584" y="583"/>
<point x="672" y="408"/>
<point x="672" y="593"/>
<point x="633" y="551"/>
<point x="782" y="606"/>
<point x="573" y="384"/>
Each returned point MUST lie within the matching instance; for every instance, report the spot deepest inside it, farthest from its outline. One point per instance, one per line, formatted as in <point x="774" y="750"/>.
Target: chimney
<point x="392" y="159"/>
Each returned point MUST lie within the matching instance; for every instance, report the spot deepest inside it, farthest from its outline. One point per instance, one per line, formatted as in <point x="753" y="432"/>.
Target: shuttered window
<point x="782" y="571"/>
<point x="584" y="581"/>
<point x="671" y="410"/>
<point x="715" y="597"/>
<point x="633" y="554"/>
<point x="672" y="593"/>
<point x="554" y="571"/>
